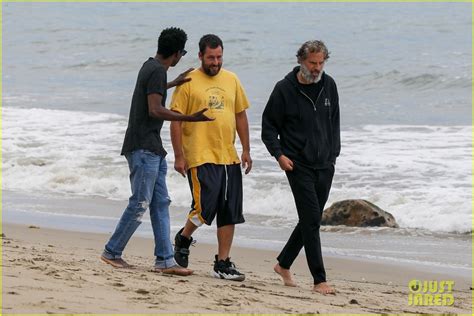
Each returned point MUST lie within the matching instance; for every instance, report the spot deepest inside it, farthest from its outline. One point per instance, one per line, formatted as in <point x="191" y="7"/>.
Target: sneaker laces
<point x="231" y="265"/>
<point x="193" y="241"/>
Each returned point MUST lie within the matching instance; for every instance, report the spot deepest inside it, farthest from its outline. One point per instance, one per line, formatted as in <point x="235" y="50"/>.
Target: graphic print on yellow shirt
<point x="224" y="96"/>
<point x="215" y="99"/>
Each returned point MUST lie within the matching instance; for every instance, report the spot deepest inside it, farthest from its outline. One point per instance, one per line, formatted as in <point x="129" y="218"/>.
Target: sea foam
<point x="420" y="174"/>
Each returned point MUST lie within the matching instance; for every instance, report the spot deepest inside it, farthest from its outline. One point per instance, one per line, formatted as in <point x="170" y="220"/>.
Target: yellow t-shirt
<point x="223" y="95"/>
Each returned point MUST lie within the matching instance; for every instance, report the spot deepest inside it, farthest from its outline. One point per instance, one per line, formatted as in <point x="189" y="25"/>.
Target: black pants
<point x="310" y="189"/>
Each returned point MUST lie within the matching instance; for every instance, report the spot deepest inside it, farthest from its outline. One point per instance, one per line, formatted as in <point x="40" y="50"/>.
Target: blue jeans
<point x="148" y="182"/>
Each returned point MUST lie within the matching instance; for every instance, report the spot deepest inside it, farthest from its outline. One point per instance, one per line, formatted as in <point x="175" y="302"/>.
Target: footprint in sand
<point x="118" y="284"/>
<point x="253" y="299"/>
<point x="11" y="275"/>
<point x="45" y="258"/>
<point x="37" y="268"/>
<point x="52" y="272"/>
<point x="225" y="302"/>
<point x="142" y="291"/>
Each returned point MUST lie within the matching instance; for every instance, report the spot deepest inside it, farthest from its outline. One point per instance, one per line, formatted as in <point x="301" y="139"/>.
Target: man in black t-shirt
<point x="145" y="155"/>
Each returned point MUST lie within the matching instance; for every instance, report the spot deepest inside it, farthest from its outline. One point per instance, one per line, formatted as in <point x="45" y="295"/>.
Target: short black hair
<point x="211" y="41"/>
<point x="171" y="41"/>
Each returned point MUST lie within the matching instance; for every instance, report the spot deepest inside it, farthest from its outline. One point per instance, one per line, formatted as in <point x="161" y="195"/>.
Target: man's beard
<point x="211" y="71"/>
<point x="308" y="76"/>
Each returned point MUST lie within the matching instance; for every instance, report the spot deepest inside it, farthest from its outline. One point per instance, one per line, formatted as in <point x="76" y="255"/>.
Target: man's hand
<point x="180" y="79"/>
<point x="285" y="163"/>
<point x="180" y="165"/>
<point x="246" y="161"/>
<point x="200" y="117"/>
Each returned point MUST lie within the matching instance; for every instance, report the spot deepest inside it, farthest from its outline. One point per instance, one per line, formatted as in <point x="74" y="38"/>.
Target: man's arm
<point x="272" y="120"/>
<point x="157" y="111"/>
<point x="336" y="127"/>
<point x="242" y="125"/>
<point x="176" y="141"/>
<point x="180" y="79"/>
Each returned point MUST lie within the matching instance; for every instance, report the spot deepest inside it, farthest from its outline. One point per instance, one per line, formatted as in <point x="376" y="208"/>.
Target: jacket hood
<point x="291" y="76"/>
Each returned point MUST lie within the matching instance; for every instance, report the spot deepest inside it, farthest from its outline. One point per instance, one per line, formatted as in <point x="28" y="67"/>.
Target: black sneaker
<point x="225" y="269"/>
<point x="181" y="249"/>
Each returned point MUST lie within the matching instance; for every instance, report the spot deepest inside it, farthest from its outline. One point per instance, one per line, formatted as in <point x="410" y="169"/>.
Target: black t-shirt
<point x="143" y="131"/>
<point x="311" y="90"/>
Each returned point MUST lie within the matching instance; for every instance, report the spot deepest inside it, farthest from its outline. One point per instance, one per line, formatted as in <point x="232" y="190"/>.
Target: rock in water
<point x="358" y="213"/>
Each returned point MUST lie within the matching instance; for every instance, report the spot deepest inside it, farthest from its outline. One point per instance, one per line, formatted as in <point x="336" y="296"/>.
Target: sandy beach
<point x="54" y="271"/>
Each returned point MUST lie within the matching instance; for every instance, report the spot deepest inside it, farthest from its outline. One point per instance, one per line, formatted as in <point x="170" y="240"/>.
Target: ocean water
<point x="404" y="78"/>
<point x="420" y="174"/>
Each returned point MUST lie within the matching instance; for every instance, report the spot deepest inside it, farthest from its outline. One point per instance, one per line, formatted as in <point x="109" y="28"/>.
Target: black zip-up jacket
<point x="305" y="131"/>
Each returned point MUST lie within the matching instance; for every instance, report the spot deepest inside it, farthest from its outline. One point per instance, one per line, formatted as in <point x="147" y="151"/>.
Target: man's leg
<point x="183" y="239"/>
<point x="142" y="180"/>
<point x="202" y="183"/>
<point x="323" y="186"/>
<point x="223" y="267"/>
<point x="288" y="255"/>
<point x="299" y="177"/>
<point x="225" y="236"/>
<point x="229" y="208"/>
<point x="229" y="213"/>
<point x="303" y="182"/>
<point x="160" y="221"/>
<point x="189" y="229"/>
<point x="292" y="248"/>
<point x="182" y="242"/>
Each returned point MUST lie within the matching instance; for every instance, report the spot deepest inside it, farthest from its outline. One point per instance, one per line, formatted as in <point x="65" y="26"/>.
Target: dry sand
<point x="53" y="271"/>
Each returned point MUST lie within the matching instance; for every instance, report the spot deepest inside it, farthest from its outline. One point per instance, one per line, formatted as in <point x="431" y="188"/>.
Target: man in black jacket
<point x="300" y="128"/>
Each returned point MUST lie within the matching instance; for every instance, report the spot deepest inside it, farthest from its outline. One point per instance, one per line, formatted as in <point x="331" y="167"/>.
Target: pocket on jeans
<point x="150" y="159"/>
<point x="150" y="154"/>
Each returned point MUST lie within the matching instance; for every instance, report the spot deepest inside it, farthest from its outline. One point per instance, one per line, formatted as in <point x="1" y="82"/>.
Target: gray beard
<point x="307" y="76"/>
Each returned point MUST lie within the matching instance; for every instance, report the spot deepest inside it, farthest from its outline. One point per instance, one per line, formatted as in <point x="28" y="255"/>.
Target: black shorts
<point x="216" y="190"/>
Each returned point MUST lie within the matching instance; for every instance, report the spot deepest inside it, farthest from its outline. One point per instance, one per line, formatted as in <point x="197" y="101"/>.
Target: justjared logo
<point x="431" y="293"/>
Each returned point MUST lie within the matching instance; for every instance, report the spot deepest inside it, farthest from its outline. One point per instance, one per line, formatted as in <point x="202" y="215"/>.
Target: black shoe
<point x="181" y="249"/>
<point x="225" y="269"/>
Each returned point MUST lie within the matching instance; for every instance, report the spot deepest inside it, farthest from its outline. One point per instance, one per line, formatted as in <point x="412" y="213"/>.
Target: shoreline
<point x="49" y="270"/>
<point x="431" y="251"/>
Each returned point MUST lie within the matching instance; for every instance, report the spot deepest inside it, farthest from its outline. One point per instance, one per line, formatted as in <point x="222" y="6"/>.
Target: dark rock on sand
<point x="358" y="213"/>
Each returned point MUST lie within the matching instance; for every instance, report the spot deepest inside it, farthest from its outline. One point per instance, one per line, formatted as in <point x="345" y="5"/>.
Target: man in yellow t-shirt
<point x="206" y="152"/>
